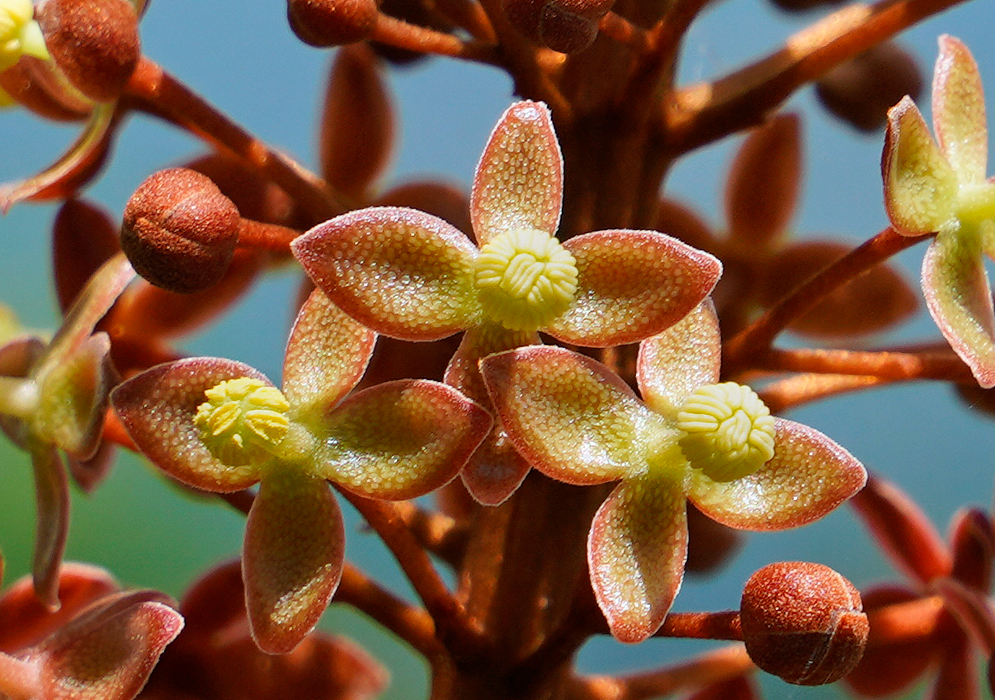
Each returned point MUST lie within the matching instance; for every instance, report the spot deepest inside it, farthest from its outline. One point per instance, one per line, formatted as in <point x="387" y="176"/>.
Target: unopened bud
<point x="324" y="23"/>
<point x="803" y="622"/>
<point x="862" y="90"/>
<point x="179" y="231"/>
<point x="567" y="26"/>
<point x="94" y="43"/>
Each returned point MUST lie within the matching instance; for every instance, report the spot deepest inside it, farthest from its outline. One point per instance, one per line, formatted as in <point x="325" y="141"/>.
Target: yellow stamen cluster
<point x="19" y="33"/>
<point x="242" y="421"/>
<point x="525" y="279"/>
<point x="728" y="431"/>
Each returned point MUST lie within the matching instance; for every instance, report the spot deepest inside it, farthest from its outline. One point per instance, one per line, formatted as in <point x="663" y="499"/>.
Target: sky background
<point x="244" y="59"/>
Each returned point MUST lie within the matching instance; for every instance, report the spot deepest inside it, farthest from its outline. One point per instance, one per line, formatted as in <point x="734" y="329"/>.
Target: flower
<point x="54" y="397"/>
<point x="939" y="186"/>
<point x="410" y="275"/>
<point x="19" y="33"/>
<point x="693" y="439"/>
<point x="102" y="643"/>
<point x="219" y="425"/>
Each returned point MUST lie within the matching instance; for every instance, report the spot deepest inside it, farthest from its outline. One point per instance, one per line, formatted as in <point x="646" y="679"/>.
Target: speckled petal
<point x="52" y="502"/>
<point x="292" y="557"/>
<point x="495" y="470"/>
<point x="326" y="356"/>
<point x="631" y="285"/>
<point x="157" y="408"/>
<point x="400" y="439"/>
<point x="959" y="299"/>
<point x="519" y="180"/>
<point x="569" y="416"/>
<point x="636" y="553"/>
<point x="920" y="186"/>
<point x="959" y="110"/>
<point x="673" y="364"/>
<point x="401" y="272"/>
<point x="808" y="476"/>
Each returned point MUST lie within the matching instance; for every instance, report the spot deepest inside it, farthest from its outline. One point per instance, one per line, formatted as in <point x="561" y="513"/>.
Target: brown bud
<point x="567" y="26"/>
<point x="179" y="231"/>
<point x="862" y="90"/>
<point x="324" y="23"/>
<point x="803" y="622"/>
<point x="94" y="42"/>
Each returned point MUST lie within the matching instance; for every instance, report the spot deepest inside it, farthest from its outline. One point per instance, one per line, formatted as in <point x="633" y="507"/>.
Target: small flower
<point x="939" y="186"/>
<point x="410" y="275"/>
<point x="54" y="398"/>
<point x="693" y="439"/>
<point x="221" y="426"/>
<point x="19" y="33"/>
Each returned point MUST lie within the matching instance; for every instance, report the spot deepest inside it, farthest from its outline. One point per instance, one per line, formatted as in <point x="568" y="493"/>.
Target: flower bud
<point x="863" y="89"/>
<point x="567" y="26"/>
<point x="324" y="23"/>
<point x="94" y="42"/>
<point x="179" y="231"/>
<point x="803" y="622"/>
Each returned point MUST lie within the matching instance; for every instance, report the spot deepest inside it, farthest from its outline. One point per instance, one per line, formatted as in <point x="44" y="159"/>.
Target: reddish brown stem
<point x="901" y="623"/>
<point x="704" y="113"/>
<point x="390" y="30"/>
<point x="884" y="365"/>
<point x="470" y="16"/>
<point x="754" y="342"/>
<point x="438" y="533"/>
<point x="807" y="388"/>
<point x="623" y="31"/>
<point x="161" y="95"/>
<point x="262" y="236"/>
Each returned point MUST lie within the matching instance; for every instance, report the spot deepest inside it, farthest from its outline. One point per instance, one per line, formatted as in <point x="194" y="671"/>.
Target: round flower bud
<point x="803" y="622"/>
<point x="863" y="89"/>
<point x="324" y="23"/>
<point x="94" y="43"/>
<point x="179" y="231"/>
<point x="567" y="26"/>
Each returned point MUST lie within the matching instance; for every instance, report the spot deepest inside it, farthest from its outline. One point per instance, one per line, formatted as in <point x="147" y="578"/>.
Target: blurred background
<point x="244" y="59"/>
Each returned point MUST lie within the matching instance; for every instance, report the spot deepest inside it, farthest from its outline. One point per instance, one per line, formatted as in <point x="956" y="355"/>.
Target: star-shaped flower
<point x="715" y="445"/>
<point x="221" y="426"/>
<point x="413" y="276"/>
<point x="54" y="397"/>
<point x="939" y="186"/>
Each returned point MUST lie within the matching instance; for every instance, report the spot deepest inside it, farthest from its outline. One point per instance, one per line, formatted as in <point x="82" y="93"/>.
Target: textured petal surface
<point x="399" y="271"/>
<point x="675" y="363"/>
<point x="519" y="180"/>
<point x="631" y="285"/>
<point x="292" y="557"/>
<point x="636" y="553"/>
<point x="959" y="110"/>
<point x="157" y="408"/>
<point x="326" y="355"/>
<point x="52" y="502"/>
<point x="108" y="652"/>
<point x="959" y="300"/>
<point x="920" y="187"/>
<point x="569" y="416"/>
<point x="400" y="439"/>
<point x="808" y="476"/>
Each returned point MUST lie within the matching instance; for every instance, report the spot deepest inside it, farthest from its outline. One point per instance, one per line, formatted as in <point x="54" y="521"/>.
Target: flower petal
<point x="52" y="502"/>
<point x="400" y="439"/>
<point x="292" y="557"/>
<point x="326" y="356"/>
<point x="157" y="407"/>
<point x="673" y="364"/>
<point x="519" y="180"/>
<point x="920" y="186"/>
<point x="808" y="476"/>
<point x="959" y="111"/>
<point x="569" y="416"/>
<point x="495" y="470"/>
<point x="631" y="285"/>
<point x="108" y="652"/>
<point x="955" y="284"/>
<point x="399" y="271"/>
<point x="636" y="553"/>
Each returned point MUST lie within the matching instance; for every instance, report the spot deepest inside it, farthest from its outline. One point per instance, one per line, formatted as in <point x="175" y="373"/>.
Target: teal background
<point x="242" y="56"/>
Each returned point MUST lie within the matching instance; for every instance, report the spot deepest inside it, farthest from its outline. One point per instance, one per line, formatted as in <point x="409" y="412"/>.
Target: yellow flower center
<point x="242" y="421"/>
<point x="19" y="33"/>
<point x="728" y="431"/>
<point x="525" y="279"/>
<point x="976" y="202"/>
